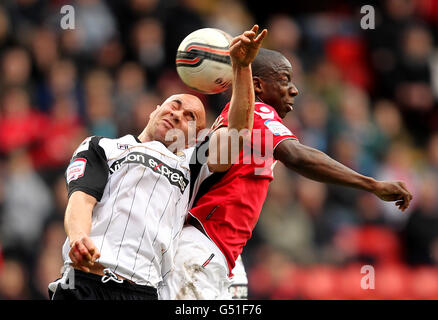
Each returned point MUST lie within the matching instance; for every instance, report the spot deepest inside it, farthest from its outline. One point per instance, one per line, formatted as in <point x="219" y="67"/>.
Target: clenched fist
<point x="83" y="253"/>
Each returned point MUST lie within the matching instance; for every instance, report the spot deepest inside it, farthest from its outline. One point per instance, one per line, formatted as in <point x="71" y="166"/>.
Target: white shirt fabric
<point x="136" y="223"/>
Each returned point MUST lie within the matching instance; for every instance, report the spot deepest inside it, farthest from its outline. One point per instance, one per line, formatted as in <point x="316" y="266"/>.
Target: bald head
<point x="192" y="105"/>
<point x="174" y="116"/>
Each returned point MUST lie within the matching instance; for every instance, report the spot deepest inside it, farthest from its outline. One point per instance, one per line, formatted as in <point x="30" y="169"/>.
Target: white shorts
<point x="200" y="270"/>
<point x="238" y="289"/>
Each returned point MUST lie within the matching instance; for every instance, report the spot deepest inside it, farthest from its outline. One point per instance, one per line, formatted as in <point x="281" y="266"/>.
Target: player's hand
<point x="83" y="253"/>
<point x="244" y="48"/>
<point x="394" y="191"/>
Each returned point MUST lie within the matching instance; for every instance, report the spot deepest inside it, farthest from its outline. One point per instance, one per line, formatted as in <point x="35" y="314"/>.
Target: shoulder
<point x="222" y="119"/>
<point x="187" y="153"/>
<point x="88" y="143"/>
<point x="121" y="143"/>
<point x="264" y="111"/>
<point x="107" y="147"/>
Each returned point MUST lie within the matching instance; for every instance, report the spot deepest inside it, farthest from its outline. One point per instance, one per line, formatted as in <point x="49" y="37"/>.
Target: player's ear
<point x="258" y="87"/>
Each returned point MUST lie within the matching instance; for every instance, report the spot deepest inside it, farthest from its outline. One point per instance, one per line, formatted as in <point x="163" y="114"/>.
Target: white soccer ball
<point x="203" y="60"/>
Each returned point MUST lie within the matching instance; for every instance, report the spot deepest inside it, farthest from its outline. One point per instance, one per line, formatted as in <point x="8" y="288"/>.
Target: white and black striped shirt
<point x="143" y="191"/>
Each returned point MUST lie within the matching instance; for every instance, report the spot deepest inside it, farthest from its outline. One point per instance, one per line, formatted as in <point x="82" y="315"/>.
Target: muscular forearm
<point x="243" y="50"/>
<point x="241" y="112"/>
<point x="77" y="220"/>
<point x="318" y="166"/>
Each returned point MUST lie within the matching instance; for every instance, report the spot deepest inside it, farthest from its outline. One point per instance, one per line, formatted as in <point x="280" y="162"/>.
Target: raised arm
<point x="318" y="166"/>
<point x="243" y="50"/>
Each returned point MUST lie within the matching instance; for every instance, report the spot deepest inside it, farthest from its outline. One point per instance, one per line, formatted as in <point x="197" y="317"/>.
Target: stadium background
<point x="368" y="98"/>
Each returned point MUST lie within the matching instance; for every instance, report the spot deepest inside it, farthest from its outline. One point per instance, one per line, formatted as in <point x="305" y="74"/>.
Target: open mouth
<point x="290" y="106"/>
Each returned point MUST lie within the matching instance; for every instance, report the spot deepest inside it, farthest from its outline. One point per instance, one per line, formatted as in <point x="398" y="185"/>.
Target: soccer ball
<point x="203" y="60"/>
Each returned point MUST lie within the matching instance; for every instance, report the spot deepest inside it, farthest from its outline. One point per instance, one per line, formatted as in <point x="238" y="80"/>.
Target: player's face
<point x="277" y="89"/>
<point x="178" y="112"/>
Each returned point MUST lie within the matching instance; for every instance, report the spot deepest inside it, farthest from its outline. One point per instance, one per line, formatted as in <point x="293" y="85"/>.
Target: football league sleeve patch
<point x="277" y="128"/>
<point x="278" y="131"/>
<point x="88" y="169"/>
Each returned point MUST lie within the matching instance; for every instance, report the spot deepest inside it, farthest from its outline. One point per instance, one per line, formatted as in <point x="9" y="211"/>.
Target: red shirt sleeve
<point x="267" y="119"/>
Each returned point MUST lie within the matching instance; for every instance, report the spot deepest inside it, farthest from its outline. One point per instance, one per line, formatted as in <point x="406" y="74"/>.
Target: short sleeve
<point x="273" y="131"/>
<point x="278" y="131"/>
<point x="88" y="169"/>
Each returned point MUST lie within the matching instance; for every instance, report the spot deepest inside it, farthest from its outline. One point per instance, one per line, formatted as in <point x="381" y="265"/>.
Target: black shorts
<point x="89" y="286"/>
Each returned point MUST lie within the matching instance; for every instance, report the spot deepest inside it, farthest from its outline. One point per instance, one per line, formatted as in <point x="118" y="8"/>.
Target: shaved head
<point x="175" y="113"/>
<point x="266" y="62"/>
<point x="194" y="104"/>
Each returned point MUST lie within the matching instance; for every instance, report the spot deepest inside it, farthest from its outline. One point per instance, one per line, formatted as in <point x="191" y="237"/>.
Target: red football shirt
<point x="228" y="204"/>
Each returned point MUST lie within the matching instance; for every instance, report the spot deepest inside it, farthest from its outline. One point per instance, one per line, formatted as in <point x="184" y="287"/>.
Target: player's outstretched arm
<point x="243" y="50"/>
<point x="77" y="223"/>
<point x="316" y="165"/>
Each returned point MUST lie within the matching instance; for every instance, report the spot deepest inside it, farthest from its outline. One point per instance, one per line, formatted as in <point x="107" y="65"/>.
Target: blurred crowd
<point x="368" y="98"/>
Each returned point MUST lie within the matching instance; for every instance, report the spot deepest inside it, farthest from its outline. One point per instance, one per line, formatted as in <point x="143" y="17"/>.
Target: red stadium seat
<point x="424" y="283"/>
<point x="392" y="282"/>
<point x="320" y="283"/>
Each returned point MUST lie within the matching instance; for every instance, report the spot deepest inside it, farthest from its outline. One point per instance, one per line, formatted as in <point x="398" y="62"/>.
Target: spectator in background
<point x="130" y="85"/>
<point x="27" y="205"/>
<point x="95" y="24"/>
<point x="354" y="120"/>
<point x="148" y="43"/>
<point x="325" y="81"/>
<point x="273" y="275"/>
<point x="314" y="118"/>
<point x="413" y="75"/>
<point x="287" y="223"/>
<point x="20" y="125"/>
<point x="1" y="259"/>
<point x="284" y="34"/>
<point x="44" y="48"/>
<point x="14" y="280"/>
<point x="58" y="138"/>
<point x="432" y="152"/>
<point x="129" y="13"/>
<point x="49" y="262"/>
<point x="398" y="164"/>
<point x="179" y="20"/>
<point x="16" y="68"/>
<point x="60" y="200"/>
<point x="385" y="45"/>
<point x="389" y="121"/>
<point x="5" y="27"/>
<point x="61" y="82"/>
<point x="230" y="16"/>
<point x="99" y="104"/>
<point x="341" y="201"/>
<point x="421" y="232"/>
<point x="369" y="211"/>
<point x="110" y="55"/>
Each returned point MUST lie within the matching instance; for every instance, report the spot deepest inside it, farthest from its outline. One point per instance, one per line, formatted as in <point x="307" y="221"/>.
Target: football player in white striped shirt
<point x="128" y="197"/>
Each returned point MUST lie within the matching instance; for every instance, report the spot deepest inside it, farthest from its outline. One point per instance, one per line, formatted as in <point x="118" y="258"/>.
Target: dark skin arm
<point x="318" y="166"/>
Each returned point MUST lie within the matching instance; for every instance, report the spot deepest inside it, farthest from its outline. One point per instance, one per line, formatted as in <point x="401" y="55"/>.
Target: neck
<point x="144" y="136"/>
<point x="257" y="98"/>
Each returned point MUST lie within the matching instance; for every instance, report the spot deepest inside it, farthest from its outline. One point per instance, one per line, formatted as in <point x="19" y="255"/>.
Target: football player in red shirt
<point x="228" y="204"/>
